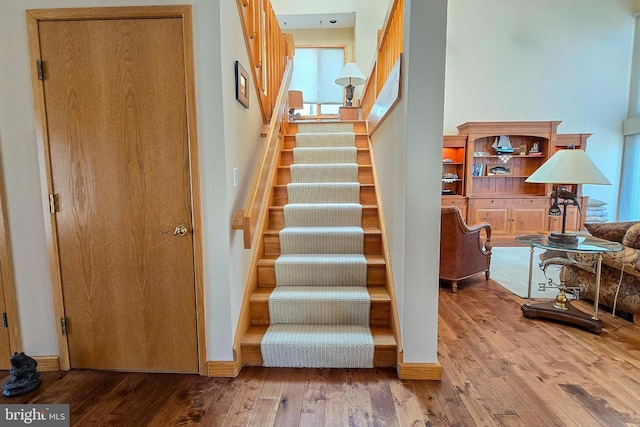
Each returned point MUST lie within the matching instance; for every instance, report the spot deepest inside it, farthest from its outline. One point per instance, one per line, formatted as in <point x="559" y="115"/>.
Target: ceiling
<point x="316" y="21"/>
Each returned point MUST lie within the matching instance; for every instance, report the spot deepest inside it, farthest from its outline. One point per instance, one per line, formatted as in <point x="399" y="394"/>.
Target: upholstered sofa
<point x="624" y="263"/>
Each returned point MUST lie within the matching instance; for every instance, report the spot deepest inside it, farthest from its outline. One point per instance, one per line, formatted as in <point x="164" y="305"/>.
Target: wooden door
<point x="5" y="345"/>
<point x="9" y="330"/>
<point x="114" y="94"/>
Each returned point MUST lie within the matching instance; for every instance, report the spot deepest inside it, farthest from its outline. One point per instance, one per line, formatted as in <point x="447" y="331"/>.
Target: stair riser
<point x="361" y="141"/>
<point x="369" y="218"/>
<point x="384" y="357"/>
<point x="376" y="276"/>
<point x="379" y="314"/>
<point x="363" y="158"/>
<point x="367" y="195"/>
<point x="365" y="175"/>
<point x="358" y="127"/>
<point x="372" y="245"/>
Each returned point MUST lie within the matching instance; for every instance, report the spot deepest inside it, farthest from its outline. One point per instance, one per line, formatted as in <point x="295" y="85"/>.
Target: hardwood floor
<point x="499" y="369"/>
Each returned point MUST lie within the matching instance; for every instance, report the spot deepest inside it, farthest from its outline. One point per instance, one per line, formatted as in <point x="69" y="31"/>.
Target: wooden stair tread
<point x="382" y="336"/>
<point x="377" y="294"/>
<point x="360" y="167"/>
<point x="281" y="207"/>
<point x="358" y="149"/>
<point x="292" y="135"/>
<point x="284" y="186"/>
<point x="269" y="261"/>
<point x="367" y="231"/>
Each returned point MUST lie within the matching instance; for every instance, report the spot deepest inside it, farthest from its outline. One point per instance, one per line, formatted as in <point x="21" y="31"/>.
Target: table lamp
<point x="295" y="103"/>
<point x="568" y="166"/>
<point x="349" y="77"/>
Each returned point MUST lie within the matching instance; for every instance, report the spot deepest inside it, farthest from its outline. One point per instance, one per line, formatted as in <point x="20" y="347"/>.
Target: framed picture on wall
<point x="242" y="85"/>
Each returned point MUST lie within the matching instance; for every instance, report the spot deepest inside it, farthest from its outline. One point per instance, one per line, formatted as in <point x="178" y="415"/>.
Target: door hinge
<point x="63" y="323"/>
<point x="5" y="322"/>
<point x="53" y="203"/>
<point x="40" y="66"/>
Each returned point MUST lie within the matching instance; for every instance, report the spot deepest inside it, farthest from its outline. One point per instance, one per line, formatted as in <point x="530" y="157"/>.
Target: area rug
<point x="510" y="268"/>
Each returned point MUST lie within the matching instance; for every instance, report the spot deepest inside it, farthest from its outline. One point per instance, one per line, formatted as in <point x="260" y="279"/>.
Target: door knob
<point x="180" y="230"/>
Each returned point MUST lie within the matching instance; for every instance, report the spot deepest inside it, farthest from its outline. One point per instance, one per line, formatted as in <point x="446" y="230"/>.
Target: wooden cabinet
<point x="454" y="172"/>
<point x="493" y="185"/>
<point x="509" y="216"/>
<point x="459" y="201"/>
<point x="453" y="165"/>
<point x="575" y="218"/>
<point x="349" y="113"/>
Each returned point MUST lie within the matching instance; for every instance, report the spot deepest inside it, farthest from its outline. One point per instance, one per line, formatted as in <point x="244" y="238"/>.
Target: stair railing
<point x="390" y="46"/>
<point x="269" y="50"/>
<point x="270" y="54"/>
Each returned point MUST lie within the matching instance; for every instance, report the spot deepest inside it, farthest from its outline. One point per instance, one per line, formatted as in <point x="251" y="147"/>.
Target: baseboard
<point x="228" y="369"/>
<point x="420" y="371"/>
<point x="47" y="363"/>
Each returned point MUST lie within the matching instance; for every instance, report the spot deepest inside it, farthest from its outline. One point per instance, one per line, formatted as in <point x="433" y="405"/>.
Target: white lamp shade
<point x="570" y="166"/>
<point x="350" y="75"/>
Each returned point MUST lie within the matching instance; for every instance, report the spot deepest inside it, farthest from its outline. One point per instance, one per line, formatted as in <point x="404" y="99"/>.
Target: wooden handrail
<point x="247" y="219"/>
<point x="390" y="47"/>
<point x="269" y="50"/>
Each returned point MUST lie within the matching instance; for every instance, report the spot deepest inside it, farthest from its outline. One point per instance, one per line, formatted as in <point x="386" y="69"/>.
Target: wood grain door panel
<point x="498" y="217"/>
<point x="573" y="220"/>
<point x="529" y="219"/>
<point x="116" y="111"/>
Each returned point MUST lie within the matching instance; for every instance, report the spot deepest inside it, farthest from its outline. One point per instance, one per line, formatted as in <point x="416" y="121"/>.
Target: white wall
<point x="228" y="137"/>
<point x="336" y="36"/>
<point x="370" y="17"/>
<point x="563" y="60"/>
<point x="297" y="7"/>
<point x="407" y="148"/>
<point x="243" y="147"/>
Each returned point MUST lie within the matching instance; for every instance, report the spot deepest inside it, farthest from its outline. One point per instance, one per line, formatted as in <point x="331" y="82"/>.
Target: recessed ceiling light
<point x="333" y="21"/>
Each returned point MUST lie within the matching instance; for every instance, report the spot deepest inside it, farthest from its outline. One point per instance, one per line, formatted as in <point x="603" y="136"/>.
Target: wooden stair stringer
<point x="390" y="286"/>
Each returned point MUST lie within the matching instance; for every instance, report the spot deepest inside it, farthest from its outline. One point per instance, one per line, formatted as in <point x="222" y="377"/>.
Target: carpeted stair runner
<point x="319" y="310"/>
<point x="317" y="346"/>
<point x="321" y="269"/>
<point x="319" y="155"/>
<point x="318" y="305"/>
<point x="323" y="214"/>
<point x="325" y="127"/>
<point x="338" y="139"/>
<point x="324" y="192"/>
<point x="321" y="240"/>
<point x="324" y="173"/>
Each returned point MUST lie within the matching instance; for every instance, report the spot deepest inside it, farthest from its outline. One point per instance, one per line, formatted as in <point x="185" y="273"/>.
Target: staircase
<point x="321" y="298"/>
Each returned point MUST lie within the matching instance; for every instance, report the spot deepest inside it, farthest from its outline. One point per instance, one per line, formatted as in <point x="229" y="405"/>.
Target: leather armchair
<point x="463" y="250"/>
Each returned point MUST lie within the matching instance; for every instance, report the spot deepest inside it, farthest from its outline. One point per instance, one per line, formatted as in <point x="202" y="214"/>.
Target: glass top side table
<point x="562" y="310"/>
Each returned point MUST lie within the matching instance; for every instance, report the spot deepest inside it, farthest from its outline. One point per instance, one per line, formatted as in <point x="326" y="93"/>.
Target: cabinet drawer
<point x="482" y="203"/>
<point x="454" y="202"/>
<point x="538" y="202"/>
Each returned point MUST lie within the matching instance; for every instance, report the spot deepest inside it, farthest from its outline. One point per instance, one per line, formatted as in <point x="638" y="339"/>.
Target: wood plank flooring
<point x="499" y="369"/>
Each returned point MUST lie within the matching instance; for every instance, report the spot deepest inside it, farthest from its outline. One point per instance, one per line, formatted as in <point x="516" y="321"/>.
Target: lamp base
<point x="563" y="238"/>
<point x="350" y="89"/>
